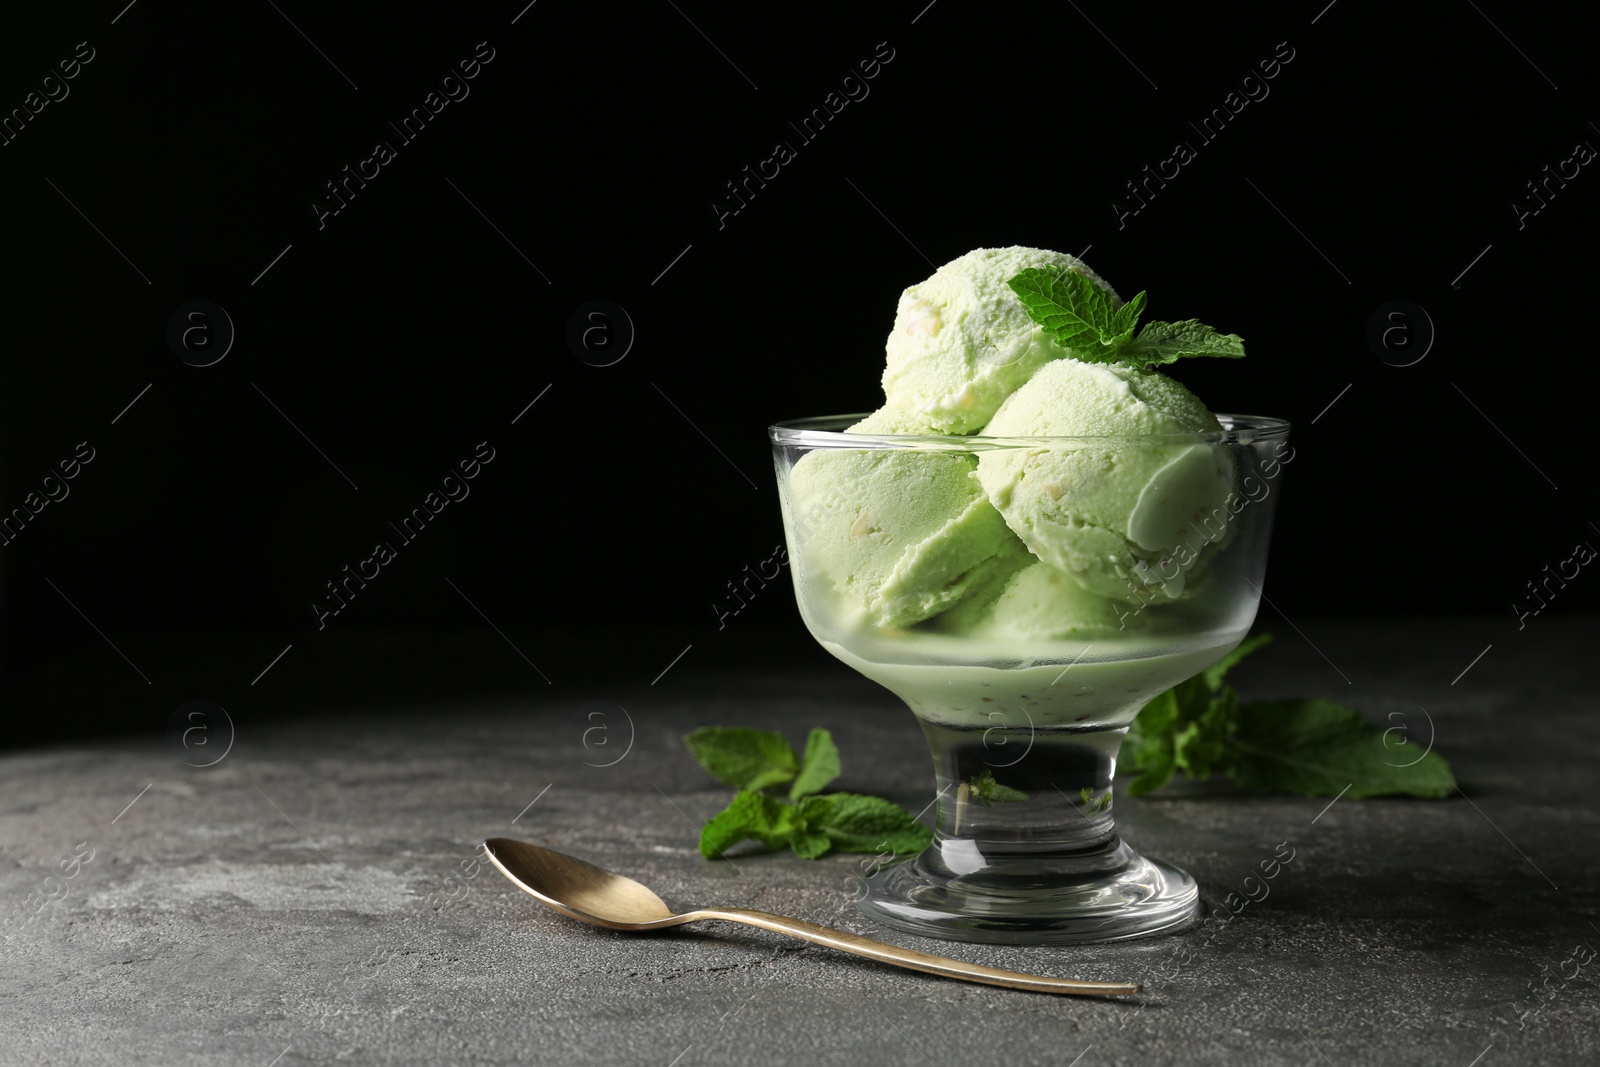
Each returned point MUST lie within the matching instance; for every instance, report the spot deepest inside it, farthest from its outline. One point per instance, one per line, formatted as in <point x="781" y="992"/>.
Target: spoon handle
<point x="904" y="957"/>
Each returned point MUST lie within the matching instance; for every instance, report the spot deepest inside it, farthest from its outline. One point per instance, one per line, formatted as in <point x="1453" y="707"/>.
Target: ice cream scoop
<point x="901" y="536"/>
<point x="1038" y="602"/>
<point x="1130" y="520"/>
<point x="963" y="342"/>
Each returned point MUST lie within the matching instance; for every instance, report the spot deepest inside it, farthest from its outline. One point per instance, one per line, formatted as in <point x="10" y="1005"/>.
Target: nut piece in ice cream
<point x="1130" y="520"/>
<point x="962" y="341"/>
<point x="899" y="535"/>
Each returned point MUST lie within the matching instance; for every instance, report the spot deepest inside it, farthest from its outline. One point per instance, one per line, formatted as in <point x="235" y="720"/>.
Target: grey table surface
<point x="316" y="895"/>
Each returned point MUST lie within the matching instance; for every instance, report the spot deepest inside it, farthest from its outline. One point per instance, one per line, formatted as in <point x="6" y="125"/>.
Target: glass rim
<point x="814" y="432"/>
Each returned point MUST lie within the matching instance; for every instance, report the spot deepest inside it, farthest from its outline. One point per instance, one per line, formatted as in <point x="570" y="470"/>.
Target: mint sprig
<point x="1308" y="747"/>
<point x="814" y="823"/>
<point x="1079" y="315"/>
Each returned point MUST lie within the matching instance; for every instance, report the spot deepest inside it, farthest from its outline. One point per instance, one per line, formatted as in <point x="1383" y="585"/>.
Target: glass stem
<point x="1015" y="796"/>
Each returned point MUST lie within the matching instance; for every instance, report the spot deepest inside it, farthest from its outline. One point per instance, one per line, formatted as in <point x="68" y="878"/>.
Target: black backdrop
<point x="586" y="159"/>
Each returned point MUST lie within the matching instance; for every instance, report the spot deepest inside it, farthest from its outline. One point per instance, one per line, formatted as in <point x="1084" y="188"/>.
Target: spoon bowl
<point x="594" y="895"/>
<point x="578" y="889"/>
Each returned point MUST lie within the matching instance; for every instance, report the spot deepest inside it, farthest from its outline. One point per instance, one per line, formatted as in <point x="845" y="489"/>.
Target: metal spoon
<point x="600" y="897"/>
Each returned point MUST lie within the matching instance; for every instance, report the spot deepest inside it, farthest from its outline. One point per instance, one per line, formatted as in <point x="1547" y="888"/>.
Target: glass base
<point x="1108" y="893"/>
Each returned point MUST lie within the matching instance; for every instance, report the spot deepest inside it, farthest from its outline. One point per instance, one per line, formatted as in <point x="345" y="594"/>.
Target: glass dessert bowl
<point x="1026" y="596"/>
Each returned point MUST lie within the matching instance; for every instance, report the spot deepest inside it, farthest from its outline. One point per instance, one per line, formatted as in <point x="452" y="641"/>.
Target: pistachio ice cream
<point x="1034" y="536"/>
<point x="1000" y="555"/>
<point x="962" y="342"/>
<point x="902" y="536"/>
<point x="1120" y="517"/>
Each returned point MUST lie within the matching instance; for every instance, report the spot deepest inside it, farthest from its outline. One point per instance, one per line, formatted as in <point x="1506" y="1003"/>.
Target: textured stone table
<point x="315" y="897"/>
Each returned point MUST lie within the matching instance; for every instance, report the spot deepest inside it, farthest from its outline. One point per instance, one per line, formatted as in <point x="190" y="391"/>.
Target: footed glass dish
<point x="1025" y="639"/>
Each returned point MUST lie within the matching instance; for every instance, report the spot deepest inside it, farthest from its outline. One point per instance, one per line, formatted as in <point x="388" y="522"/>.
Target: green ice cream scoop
<point x="1037" y="602"/>
<point x="962" y="341"/>
<point x="900" y="535"/>
<point x="1130" y="520"/>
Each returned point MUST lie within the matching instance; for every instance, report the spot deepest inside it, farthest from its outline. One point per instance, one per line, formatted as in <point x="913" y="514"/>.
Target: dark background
<point x="430" y="311"/>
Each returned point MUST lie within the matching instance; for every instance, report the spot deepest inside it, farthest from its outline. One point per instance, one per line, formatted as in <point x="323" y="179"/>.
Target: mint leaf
<point x="857" y="823"/>
<point x="1167" y="342"/>
<point x="1149" y="748"/>
<point x="1309" y="747"/>
<point x="810" y="846"/>
<point x="817" y="823"/>
<point x="1080" y="316"/>
<point x="986" y="789"/>
<point x="1201" y="745"/>
<point x="1075" y="311"/>
<point x="1315" y="747"/>
<point x="820" y="767"/>
<point x="1215" y="673"/>
<point x="750" y="815"/>
<point x="742" y="757"/>
<point x="1127" y="316"/>
<point x="1187" y="728"/>
<point x="1183" y="731"/>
